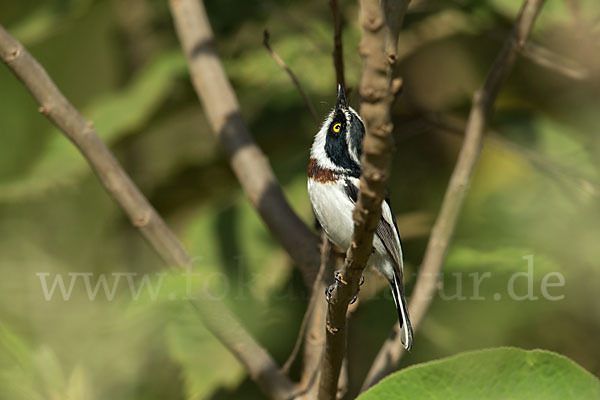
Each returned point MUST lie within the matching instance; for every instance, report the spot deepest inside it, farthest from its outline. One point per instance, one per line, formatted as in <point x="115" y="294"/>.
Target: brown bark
<point x="380" y="23"/>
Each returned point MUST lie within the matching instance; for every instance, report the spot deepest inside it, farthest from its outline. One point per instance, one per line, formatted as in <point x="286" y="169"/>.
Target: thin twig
<point x="313" y="349"/>
<point x="555" y="62"/>
<point x="338" y="51"/>
<point x="443" y="229"/>
<point x="118" y="184"/>
<point x="283" y="65"/>
<point x="315" y="295"/>
<point x="248" y="162"/>
<point x="380" y="22"/>
<point x="549" y="59"/>
<point x="314" y="344"/>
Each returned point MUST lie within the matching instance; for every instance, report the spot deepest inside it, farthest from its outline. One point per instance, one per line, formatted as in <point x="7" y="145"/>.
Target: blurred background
<point x="536" y="191"/>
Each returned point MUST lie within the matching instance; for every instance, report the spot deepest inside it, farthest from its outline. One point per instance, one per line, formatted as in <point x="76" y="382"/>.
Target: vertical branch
<point x="338" y="51"/>
<point x="443" y="229"/>
<point x="377" y="90"/>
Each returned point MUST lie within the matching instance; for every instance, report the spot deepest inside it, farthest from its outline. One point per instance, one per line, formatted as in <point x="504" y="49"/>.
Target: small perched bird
<point x="333" y="181"/>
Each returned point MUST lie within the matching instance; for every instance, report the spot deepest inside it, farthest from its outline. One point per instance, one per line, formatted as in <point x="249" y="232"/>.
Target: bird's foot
<point x="328" y="292"/>
<point x="338" y="282"/>
<point x="337" y="276"/>
<point x="360" y="283"/>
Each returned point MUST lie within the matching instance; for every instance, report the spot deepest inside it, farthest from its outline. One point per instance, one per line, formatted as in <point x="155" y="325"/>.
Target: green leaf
<point x="114" y="116"/>
<point x="503" y="373"/>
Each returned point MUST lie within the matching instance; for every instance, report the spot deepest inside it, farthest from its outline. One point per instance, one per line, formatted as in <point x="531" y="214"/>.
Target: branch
<point x="247" y="160"/>
<point x="315" y="336"/>
<point x="283" y="65"/>
<point x="119" y="185"/>
<point x="443" y="229"/>
<point x="380" y="22"/>
<point x="314" y="339"/>
<point x="549" y="59"/>
<point x="82" y="133"/>
<point x="338" y="53"/>
<point x="258" y="362"/>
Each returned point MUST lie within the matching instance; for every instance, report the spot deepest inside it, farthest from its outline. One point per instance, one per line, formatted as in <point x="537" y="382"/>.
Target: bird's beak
<point x="341" y="98"/>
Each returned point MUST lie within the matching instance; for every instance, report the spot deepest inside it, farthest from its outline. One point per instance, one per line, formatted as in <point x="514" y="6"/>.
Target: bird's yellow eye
<point x="337" y="127"/>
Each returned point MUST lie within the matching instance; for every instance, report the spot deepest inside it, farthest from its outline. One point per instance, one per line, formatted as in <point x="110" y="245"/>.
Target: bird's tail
<point x="403" y="317"/>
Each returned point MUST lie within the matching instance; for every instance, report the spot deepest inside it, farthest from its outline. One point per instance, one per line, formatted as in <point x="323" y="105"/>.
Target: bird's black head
<point x="338" y="145"/>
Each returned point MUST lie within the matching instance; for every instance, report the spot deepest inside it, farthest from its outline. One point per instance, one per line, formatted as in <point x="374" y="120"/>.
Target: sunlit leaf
<point x="504" y="373"/>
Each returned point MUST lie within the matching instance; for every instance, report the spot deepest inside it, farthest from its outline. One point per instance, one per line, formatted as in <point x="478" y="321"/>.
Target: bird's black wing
<point x="387" y="230"/>
<point x="351" y="189"/>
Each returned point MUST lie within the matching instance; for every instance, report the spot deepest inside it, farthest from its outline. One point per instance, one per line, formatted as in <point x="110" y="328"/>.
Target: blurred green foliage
<point x="536" y="192"/>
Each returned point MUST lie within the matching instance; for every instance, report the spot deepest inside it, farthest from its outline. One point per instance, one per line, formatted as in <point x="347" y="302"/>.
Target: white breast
<point x="333" y="209"/>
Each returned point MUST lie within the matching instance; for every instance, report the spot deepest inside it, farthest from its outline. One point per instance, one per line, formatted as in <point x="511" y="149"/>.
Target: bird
<point x="334" y="171"/>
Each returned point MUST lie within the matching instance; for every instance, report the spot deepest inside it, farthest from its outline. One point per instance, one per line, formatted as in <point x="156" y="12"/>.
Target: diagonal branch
<point x="247" y="160"/>
<point x="380" y="22"/>
<point x="82" y="133"/>
<point x="258" y="362"/>
<point x="443" y="229"/>
<point x="295" y="81"/>
<point x="118" y="184"/>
